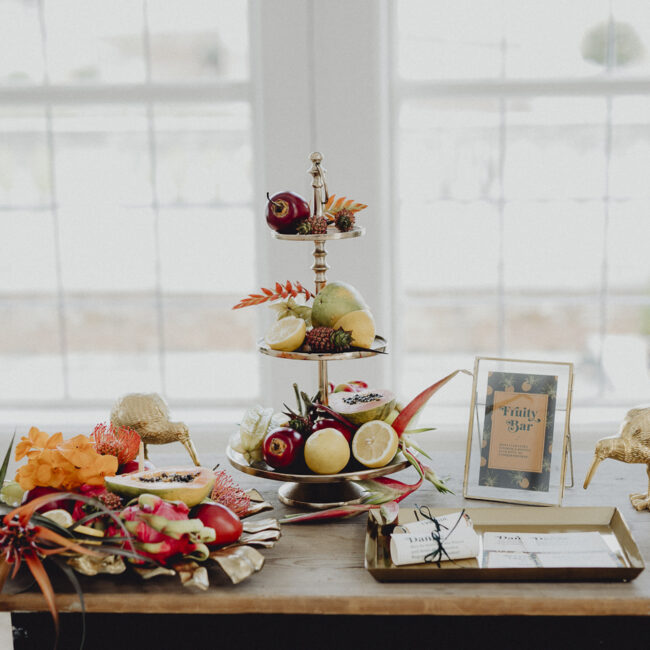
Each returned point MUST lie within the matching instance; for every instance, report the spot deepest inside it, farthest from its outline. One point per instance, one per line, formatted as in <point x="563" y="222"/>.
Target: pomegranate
<point x="281" y="447"/>
<point x="285" y="210"/>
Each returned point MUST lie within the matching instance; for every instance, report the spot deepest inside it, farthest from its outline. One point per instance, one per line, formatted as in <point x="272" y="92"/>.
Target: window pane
<point x="98" y="375"/>
<point x="555" y="148"/>
<point x="547" y="329"/>
<point x="114" y="323"/>
<point x="207" y="251"/>
<point x="213" y="376"/>
<point x="200" y="40"/>
<point x="545" y="39"/>
<point x="24" y="170"/>
<point x="21" y="51"/>
<point x="107" y="249"/>
<point x="628" y="235"/>
<point x="449" y="148"/>
<point x="632" y="23"/>
<point x="30" y="366"/>
<point x="27" y="263"/>
<point x="102" y="155"/>
<point x="94" y="41"/>
<point x="630" y="148"/>
<point x="211" y="352"/>
<point x="625" y="351"/>
<point x="204" y="153"/>
<point x="554" y="246"/>
<point x="448" y="39"/>
<point x="449" y="247"/>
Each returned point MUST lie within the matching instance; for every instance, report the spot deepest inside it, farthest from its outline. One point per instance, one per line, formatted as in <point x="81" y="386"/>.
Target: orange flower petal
<point x="54" y="441"/>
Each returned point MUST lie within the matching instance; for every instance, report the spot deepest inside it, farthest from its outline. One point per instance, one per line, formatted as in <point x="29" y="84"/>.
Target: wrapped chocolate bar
<point x="435" y="539"/>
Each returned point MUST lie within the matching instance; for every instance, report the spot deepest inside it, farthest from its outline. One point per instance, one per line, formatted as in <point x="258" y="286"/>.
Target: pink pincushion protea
<point x="123" y="443"/>
<point x="228" y="493"/>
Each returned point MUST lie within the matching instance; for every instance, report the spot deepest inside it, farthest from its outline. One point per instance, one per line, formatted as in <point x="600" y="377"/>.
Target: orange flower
<point x="95" y="473"/>
<point x="53" y="462"/>
<point x="79" y="451"/>
<point x="34" y="438"/>
<point x="25" y="476"/>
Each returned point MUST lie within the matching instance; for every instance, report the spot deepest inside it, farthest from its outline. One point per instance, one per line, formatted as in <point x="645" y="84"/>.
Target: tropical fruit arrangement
<point x="288" y="213"/>
<point x="336" y="319"/>
<point x="88" y="503"/>
<point x="356" y="430"/>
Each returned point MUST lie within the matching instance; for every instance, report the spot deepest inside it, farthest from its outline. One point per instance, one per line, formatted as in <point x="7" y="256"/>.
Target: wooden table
<point x="318" y="569"/>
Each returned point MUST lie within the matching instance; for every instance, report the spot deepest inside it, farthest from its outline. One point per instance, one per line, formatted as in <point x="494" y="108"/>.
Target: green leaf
<point x="5" y="463"/>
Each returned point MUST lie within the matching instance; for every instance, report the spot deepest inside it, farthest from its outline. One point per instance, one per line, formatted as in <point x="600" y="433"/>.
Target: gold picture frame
<point x="519" y="417"/>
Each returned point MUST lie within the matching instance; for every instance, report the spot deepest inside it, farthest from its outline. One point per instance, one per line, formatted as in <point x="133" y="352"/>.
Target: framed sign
<point x="518" y="434"/>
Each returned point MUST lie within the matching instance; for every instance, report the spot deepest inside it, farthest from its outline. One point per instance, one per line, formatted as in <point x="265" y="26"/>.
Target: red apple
<point x="226" y="524"/>
<point x="285" y="210"/>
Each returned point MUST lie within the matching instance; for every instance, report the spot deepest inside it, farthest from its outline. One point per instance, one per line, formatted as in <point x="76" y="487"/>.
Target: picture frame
<point x="518" y="437"/>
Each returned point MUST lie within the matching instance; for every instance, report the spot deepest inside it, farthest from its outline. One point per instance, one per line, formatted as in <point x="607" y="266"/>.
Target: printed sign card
<point x="517" y="441"/>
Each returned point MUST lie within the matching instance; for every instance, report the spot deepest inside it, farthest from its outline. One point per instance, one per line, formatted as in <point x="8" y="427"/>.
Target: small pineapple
<point x="327" y="339"/>
<point x="304" y="227"/>
<point x="312" y="226"/>
<point x="344" y="220"/>
<point x="318" y="225"/>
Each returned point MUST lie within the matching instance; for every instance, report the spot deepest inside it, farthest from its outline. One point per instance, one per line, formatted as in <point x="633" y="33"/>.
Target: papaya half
<point x="187" y="484"/>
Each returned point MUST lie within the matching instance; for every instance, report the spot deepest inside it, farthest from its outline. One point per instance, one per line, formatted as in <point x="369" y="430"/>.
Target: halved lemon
<point x="375" y="443"/>
<point x="60" y="516"/>
<point x="286" y="334"/>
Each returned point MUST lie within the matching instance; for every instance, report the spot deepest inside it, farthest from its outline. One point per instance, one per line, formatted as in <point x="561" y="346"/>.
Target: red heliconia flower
<point x="229" y="494"/>
<point x="22" y="541"/>
<point x="124" y="443"/>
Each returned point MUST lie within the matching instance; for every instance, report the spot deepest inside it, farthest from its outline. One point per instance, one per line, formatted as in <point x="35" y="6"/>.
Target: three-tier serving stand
<point x="319" y="491"/>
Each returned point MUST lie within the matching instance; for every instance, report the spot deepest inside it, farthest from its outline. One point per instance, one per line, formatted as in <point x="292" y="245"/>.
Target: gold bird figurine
<point x="631" y="445"/>
<point x="148" y="415"/>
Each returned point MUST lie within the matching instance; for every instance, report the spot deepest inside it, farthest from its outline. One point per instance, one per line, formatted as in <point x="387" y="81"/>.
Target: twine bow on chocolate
<point x="439" y="550"/>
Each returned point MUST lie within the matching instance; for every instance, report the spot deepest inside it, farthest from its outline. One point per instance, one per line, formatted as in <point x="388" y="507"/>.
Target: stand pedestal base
<point x="320" y="496"/>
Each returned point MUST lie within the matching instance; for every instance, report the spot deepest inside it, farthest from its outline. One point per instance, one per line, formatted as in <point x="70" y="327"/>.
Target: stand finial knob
<point x="316" y="157"/>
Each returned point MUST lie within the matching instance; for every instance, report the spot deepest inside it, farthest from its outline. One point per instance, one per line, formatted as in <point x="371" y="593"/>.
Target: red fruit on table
<point x="285" y="210"/>
<point x="354" y="386"/>
<point x="226" y="524"/>
<point x="361" y="385"/>
<point x="134" y="466"/>
<point x="59" y="504"/>
<point x="331" y="423"/>
<point x="281" y="447"/>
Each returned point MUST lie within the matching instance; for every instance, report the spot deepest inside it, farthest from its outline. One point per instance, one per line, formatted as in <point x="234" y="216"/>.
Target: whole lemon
<point x="362" y="326"/>
<point x="327" y="451"/>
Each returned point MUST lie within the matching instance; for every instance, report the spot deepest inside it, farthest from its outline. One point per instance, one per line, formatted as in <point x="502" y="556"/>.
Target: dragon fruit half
<point x="161" y="529"/>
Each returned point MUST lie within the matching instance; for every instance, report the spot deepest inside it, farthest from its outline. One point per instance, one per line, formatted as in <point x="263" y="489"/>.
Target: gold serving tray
<point x="378" y="345"/>
<point x="331" y="235"/>
<point x="608" y="521"/>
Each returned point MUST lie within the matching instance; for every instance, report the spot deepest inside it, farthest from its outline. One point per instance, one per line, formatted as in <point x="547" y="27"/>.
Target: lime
<point x="12" y="494"/>
<point x="375" y="443"/>
<point x="286" y="334"/>
<point x="327" y="451"/>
